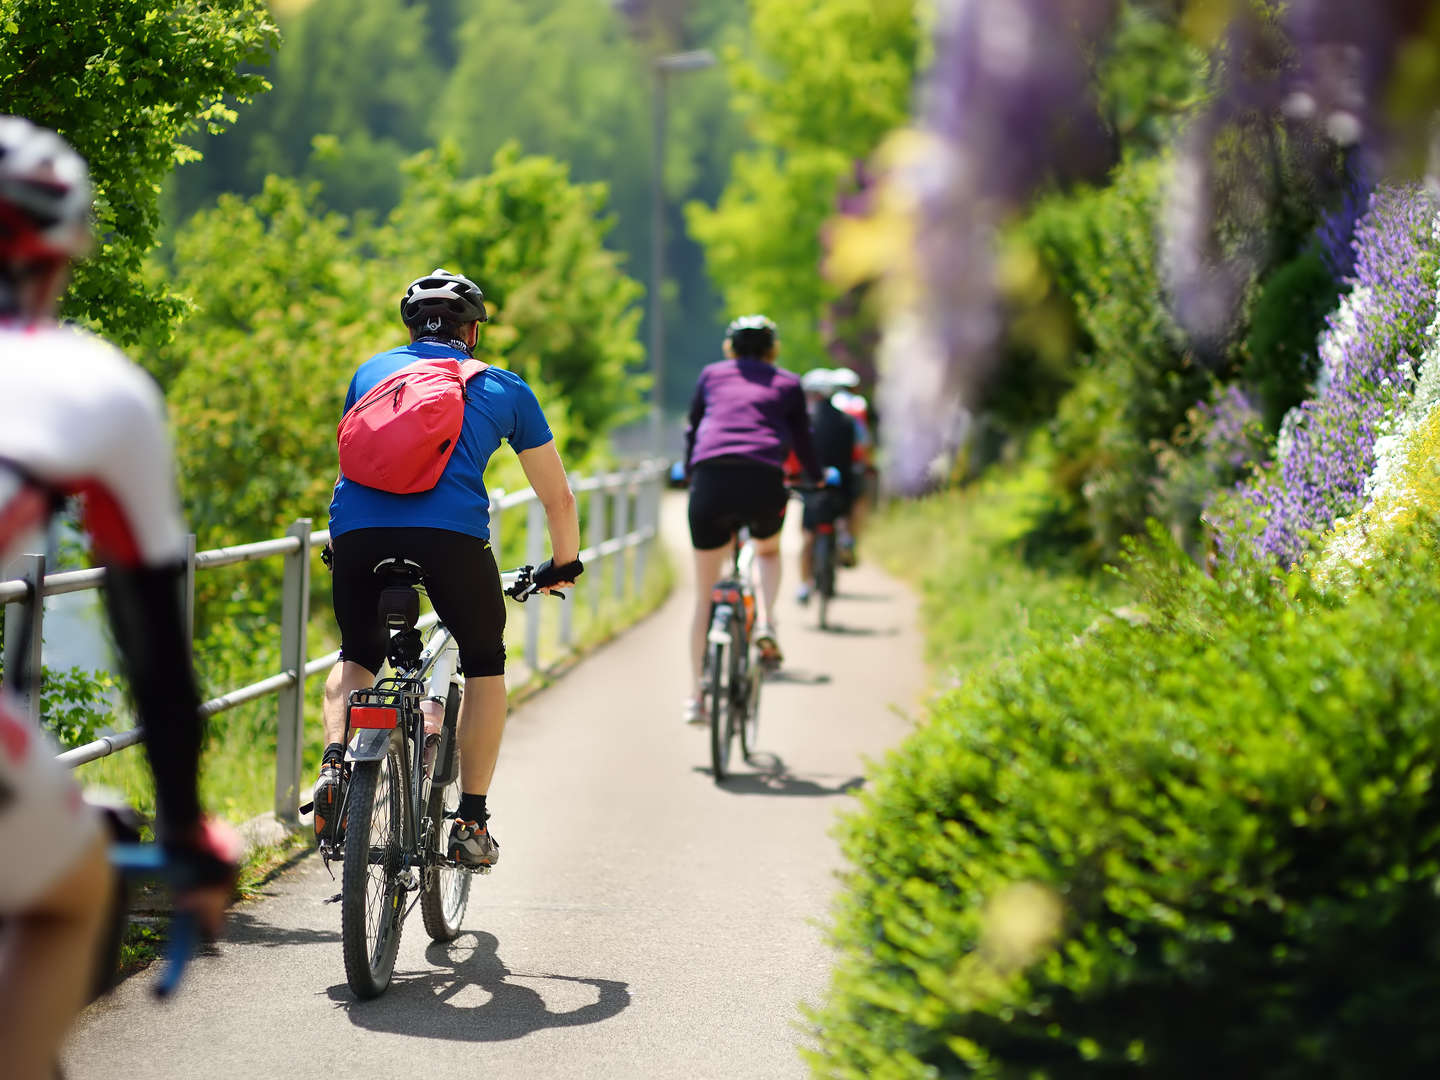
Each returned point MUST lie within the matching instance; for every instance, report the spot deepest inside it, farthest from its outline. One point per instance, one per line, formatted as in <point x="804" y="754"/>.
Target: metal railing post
<point x="290" y="717"/>
<point x="596" y="573"/>
<point x="25" y="633"/>
<point x="534" y="554"/>
<point x="619" y="526"/>
<point x="642" y="522"/>
<point x="190" y="591"/>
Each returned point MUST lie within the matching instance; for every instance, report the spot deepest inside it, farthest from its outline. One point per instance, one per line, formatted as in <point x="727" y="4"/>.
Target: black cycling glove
<point x="548" y="574"/>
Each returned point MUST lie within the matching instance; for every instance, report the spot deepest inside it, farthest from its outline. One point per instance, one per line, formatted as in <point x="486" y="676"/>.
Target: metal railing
<point x="622" y="513"/>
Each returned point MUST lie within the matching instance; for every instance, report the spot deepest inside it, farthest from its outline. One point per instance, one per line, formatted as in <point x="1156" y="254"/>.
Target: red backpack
<point x="399" y="436"/>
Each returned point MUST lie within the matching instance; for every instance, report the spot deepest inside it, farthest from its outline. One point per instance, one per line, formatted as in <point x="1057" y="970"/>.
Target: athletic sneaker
<point x="329" y="797"/>
<point x="769" y="646"/>
<point x="692" y="712"/>
<point x="472" y="845"/>
<point x="802" y="595"/>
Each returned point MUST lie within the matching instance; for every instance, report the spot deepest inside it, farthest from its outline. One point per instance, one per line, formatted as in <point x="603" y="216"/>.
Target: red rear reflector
<point x="373" y="716"/>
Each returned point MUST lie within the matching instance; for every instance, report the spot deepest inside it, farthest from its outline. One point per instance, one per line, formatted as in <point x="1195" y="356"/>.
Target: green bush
<point x="1280" y="358"/>
<point x="1202" y="840"/>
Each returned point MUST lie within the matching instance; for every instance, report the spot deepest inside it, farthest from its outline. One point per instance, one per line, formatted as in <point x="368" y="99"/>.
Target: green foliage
<point x="564" y="314"/>
<point x="821" y="82"/>
<point x="990" y="585"/>
<point x="1136" y="380"/>
<point x="126" y="82"/>
<point x="1198" y="841"/>
<point x="1280" y="358"/>
<point x="361" y="85"/>
<point x="75" y="704"/>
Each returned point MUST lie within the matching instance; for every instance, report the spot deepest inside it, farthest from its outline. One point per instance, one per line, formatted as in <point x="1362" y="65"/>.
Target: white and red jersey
<point x="79" y="418"/>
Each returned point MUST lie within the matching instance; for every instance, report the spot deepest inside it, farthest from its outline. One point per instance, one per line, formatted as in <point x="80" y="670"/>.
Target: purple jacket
<point x="749" y="409"/>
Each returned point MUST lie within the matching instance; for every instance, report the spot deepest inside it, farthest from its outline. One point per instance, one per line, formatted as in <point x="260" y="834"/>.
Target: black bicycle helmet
<point x="751" y="335"/>
<point x="44" y="194"/>
<point x="453" y="298"/>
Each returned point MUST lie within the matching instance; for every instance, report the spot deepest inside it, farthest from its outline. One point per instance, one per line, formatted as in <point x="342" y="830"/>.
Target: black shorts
<point x="726" y="494"/>
<point x="460" y="578"/>
<point x="824" y="507"/>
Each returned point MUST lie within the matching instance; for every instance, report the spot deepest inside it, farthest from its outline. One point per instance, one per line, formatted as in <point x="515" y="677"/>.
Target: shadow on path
<point x="798" y="675"/>
<point x="244" y="927"/>
<point x="860" y="631"/>
<point x="423" y="1003"/>
<point x="773" y="778"/>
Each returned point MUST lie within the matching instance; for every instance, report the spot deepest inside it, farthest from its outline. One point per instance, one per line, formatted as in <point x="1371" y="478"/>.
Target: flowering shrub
<point x="1368" y="352"/>
<point x="1221" y="438"/>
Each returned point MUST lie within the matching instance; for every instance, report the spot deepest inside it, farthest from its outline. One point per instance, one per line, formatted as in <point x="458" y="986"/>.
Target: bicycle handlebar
<point x="520" y="585"/>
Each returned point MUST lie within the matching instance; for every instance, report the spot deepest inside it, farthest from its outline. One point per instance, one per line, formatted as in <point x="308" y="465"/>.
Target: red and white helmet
<point x="44" y="194"/>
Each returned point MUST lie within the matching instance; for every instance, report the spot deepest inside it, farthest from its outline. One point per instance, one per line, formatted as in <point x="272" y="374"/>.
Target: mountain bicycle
<point x="734" y="667"/>
<point x="827" y="510"/>
<point x="390" y="832"/>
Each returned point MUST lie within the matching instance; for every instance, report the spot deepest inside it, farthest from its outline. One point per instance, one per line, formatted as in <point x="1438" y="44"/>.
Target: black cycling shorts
<point x="824" y="508"/>
<point x="728" y="493"/>
<point x="460" y="578"/>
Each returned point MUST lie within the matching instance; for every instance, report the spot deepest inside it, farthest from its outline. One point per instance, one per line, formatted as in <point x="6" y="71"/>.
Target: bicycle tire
<point x="753" y="675"/>
<point x="370" y="916"/>
<point x="824" y="576"/>
<point x="446" y="889"/>
<point x="719" y="709"/>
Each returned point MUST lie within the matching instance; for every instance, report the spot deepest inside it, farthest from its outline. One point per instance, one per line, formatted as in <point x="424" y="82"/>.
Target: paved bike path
<point x="643" y="922"/>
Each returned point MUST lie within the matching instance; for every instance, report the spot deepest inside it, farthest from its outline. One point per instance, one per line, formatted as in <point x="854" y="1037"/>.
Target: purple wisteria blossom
<point x="1007" y="104"/>
<point x="1369" y="352"/>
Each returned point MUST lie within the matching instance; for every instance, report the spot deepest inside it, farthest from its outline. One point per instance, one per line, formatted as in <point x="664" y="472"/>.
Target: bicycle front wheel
<point x="718" y="702"/>
<point x="370" y="895"/>
<point x="446" y="891"/>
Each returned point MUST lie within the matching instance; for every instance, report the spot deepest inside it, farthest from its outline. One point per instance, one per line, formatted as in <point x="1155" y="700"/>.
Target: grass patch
<point x="989" y="588"/>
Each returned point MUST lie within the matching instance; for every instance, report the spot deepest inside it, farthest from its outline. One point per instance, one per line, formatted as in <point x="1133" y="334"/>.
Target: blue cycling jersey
<point x="499" y="405"/>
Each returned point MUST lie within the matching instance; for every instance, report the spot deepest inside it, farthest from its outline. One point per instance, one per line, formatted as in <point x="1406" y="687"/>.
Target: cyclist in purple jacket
<point x="747" y="414"/>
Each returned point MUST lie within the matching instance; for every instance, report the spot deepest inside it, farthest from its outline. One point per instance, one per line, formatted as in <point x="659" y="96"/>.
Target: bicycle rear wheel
<point x="370" y="893"/>
<point x="718" y="705"/>
<point x="824" y="575"/>
<point x="446" y="890"/>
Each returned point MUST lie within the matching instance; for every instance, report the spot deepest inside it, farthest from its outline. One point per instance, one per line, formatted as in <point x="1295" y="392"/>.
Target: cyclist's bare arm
<point x="546" y="474"/>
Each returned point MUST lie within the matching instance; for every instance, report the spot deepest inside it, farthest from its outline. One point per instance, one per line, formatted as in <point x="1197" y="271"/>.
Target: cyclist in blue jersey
<point x="446" y="530"/>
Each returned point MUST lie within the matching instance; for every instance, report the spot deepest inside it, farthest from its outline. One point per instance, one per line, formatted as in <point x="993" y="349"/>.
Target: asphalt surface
<point x="643" y="921"/>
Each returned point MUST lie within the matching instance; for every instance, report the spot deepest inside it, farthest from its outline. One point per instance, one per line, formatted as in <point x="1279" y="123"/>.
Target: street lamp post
<point x="661" y="67"/>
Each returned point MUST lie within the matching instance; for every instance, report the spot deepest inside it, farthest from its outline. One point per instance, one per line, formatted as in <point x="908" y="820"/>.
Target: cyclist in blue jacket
<point x="446" y="530"/>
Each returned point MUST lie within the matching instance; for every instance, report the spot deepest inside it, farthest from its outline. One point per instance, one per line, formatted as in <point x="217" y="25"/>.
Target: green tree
<point x="564" y="315"/>
<point x="127" y="82"/>
<point x="820" y="82"/>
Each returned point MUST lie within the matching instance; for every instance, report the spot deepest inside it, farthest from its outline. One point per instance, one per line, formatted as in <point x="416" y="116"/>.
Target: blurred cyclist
<point x="745" y="416"/>
<point x="82" y="420"/>
<point x="835" y="439"/>
<point x="857" y="407"/>
<point x="446" y="530"/>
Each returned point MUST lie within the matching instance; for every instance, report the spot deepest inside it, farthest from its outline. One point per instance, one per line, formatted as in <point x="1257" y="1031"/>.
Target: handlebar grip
<point x="183" y="941"/>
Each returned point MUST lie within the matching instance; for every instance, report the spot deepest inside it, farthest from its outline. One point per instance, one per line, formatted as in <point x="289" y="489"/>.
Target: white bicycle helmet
<point x="45" y="194"/>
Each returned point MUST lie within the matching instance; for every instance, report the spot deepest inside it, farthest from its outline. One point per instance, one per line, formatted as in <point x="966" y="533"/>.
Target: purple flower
<point x="1369" y="351"/>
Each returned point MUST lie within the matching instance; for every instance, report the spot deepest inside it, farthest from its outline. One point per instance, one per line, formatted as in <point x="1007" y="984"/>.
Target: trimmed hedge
<point x="1200" y="840"/>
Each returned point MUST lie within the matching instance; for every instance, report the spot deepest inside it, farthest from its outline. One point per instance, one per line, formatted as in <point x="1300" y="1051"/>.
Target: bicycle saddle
<point x="399" y="602"/>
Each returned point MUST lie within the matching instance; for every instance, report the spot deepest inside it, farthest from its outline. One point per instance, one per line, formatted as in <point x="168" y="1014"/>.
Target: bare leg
<point x="807" y="557"/>
<point x="344" y="678"/>
<point x="709" y="565"/>
<point x="47" y="966"/>
<point x="482" y="725"/>
<point x="767" y="561"/>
